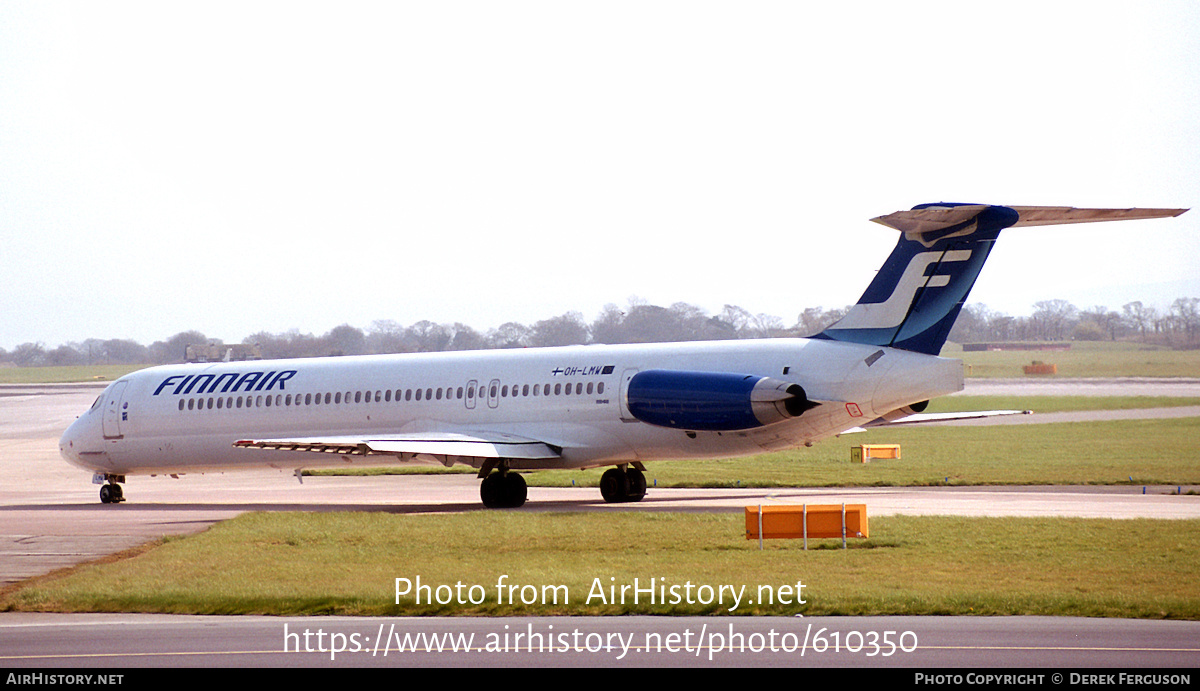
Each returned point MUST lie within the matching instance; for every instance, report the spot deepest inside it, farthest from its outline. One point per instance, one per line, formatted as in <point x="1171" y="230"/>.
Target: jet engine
<point x="713" y="401"/>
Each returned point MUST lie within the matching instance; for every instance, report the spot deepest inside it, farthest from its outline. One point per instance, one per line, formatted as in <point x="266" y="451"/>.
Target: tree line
<point x="1059" y="320"/>
<point x="638" y="322"/>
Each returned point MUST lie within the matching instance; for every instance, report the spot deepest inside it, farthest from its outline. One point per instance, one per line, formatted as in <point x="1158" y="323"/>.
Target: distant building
<point x="220" y="352"/>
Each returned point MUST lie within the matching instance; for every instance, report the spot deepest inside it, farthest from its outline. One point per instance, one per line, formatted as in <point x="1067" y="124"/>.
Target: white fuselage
<point x="186" y="418"/>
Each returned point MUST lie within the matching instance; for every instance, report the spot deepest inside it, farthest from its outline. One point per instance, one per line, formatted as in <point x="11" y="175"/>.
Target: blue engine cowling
<point x="712" y="401"/>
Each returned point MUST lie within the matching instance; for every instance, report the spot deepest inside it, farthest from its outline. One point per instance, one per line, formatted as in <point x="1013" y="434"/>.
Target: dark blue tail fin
<point x="917" y="295"/>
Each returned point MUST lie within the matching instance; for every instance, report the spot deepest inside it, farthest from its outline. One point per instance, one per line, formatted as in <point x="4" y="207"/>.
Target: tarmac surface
<point x="50" y="518"/>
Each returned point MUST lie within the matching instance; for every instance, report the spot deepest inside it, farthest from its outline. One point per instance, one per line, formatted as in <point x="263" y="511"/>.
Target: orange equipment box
<point x="866" y="452"/>
<point x="811" y="520"/>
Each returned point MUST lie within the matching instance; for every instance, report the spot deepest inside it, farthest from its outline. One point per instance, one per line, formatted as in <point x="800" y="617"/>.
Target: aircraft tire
<point x="490" y="491"/>
<point x="614" y="486"/>
<point x="503" y="491"/>
<point x="516" y="491"/>
<point x="637" y="484"/>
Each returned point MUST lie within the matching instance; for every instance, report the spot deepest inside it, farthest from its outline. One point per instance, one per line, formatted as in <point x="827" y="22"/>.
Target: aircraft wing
<point x="475" y="444"/>
<point x="925" y="418"/>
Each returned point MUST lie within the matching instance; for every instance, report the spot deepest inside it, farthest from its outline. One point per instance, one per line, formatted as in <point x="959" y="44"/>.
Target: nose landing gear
<point x="111" y="493"/>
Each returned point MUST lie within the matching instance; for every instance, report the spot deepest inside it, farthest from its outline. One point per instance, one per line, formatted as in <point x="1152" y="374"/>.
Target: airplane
<point x="586" y="406"/>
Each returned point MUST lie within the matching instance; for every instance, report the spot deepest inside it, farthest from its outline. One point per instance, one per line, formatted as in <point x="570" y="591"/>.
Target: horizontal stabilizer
<point x="933" y="218"/>
<point x="926" y="418"/>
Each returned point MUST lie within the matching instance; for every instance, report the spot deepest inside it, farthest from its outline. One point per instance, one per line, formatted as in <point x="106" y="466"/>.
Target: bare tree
<point x="1187" y="313"/>
<point x="566" y="329"/>
<point x="1140" y="317"/>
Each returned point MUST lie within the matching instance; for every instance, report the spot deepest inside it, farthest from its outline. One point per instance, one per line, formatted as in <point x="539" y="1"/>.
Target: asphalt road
<point x="114" y="641"/>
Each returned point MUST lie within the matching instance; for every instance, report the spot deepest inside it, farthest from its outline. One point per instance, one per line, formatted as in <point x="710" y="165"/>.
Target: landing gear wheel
<point x="515" y="490"/>
<point x="111" y="494"/>
<point x="637" y="484"/>
<point x="503" y="491"/>
<point x="614" y="486"/>
<point x="619" y="486"/>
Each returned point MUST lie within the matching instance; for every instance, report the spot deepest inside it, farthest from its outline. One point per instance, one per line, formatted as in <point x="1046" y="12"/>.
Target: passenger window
<point x="219" y="401"/>
<point x="439" y="393"/>
<point x="557" y="389"/>
<point x="460" y="393"/>
<point x="408" y="394"/>
<point x="600" y="387"/>
<point x="589" y="388"/>
<point x="181" y="404"/>
<point x="579" y="388"/>
<point x="429" y="394"/>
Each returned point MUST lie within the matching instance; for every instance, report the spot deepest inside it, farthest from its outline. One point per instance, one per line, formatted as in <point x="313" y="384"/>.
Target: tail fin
<point x="921" y="288"/>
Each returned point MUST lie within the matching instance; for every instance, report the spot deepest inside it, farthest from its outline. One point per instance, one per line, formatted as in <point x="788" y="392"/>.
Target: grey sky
<point x="243" y="166"/>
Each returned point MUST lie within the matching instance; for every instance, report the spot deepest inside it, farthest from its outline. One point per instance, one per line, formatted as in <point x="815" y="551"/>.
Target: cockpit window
<point x="97" y="403"/>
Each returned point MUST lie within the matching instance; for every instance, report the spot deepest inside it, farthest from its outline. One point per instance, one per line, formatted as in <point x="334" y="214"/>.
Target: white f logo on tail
<point x="891" y="313"/>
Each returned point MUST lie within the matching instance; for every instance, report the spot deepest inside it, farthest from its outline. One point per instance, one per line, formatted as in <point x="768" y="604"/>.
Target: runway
<point x="51" y="519"/>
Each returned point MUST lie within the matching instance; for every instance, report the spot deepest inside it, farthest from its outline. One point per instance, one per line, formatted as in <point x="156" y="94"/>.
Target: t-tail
<point x="919" y="291"/>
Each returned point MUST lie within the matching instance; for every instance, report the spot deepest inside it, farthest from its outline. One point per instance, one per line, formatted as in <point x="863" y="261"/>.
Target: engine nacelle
<point x="713" y="401"/>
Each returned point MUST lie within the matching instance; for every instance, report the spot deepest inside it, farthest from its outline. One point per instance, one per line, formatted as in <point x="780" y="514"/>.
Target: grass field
<point x="348" y="563"/>
<point x="1084" y="359"/>
<point x="63" y="375"/>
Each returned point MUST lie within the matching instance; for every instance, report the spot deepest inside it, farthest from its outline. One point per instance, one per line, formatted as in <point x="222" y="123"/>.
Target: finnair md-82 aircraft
<point x="573" y="407"/>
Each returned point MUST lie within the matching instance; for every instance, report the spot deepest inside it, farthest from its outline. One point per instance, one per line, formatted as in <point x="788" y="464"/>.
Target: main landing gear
<point x="625" y="483"/>
<point x="502" y="489"/>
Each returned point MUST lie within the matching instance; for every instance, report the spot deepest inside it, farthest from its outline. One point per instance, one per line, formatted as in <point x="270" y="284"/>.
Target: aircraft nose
<point x="74" y="441"/>
<point x="66" y="443"/>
